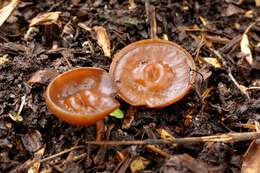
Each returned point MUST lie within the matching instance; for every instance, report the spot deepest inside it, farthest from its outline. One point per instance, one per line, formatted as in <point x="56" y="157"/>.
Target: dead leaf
<point x="251" y="162"/>
<point x="165" y="135"/>
<point x="47" y="19"/>
<point x="84" y="26"/>
<point x="132" y="4"/>
<point x="31" y="33"/>
<point x="3" y="59"/>
<point x="249" y="14"/>
<point x="7" y="11"/>
<point x="139" y="164"/>
<point x="129" y="117"/>
<point x="244" y="46"/>
<point x="42" y="77"/>
<point x="242" y="88"/>
<point x="32" y="142"/>
<point x="103" y="39"/>
<point x="184" y="163"/>
<point x="257" y="3"/>
<point x="165" y="37"/>
<point x="232" y="9"/>
<point x="37" y="155"/>
<point x="213" y="61"/>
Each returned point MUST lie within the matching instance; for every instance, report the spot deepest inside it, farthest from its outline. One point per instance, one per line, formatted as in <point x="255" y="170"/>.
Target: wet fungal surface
<point x="154" y="73"/>
<point x="82" y="96"/>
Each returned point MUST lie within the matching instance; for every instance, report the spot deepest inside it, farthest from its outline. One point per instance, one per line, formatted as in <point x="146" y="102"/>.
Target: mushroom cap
<point x="153" y="73"/>
<point x="82" y="96"/>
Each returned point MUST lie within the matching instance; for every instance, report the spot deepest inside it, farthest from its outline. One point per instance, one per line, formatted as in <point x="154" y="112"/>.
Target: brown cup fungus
<point x="153" y="73"/>
<point x="82" y="96"/>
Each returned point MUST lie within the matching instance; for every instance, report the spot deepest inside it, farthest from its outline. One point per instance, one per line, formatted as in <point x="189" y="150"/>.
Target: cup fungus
<point x="82" y="96"/>
<point x="153" y="73"/>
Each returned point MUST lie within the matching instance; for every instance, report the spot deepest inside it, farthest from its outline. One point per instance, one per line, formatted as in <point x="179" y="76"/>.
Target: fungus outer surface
<point x="82" y="96"/>
<point x="152" y="73"/>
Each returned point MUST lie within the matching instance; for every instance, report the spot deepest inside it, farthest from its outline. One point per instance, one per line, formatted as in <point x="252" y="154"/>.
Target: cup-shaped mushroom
<point x="82" y="96"/>
<point x="153" y="73"/>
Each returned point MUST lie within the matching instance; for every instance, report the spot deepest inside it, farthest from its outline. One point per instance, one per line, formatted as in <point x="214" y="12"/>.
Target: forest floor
<point x="223" y="37"/>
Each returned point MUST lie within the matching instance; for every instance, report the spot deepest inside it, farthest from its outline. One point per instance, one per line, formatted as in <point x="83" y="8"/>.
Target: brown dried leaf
<point x="47" y="19"/>
<point x="251" y="163"/>
<point x="103" y="39"/>
<point x="184" y="163"/>
<point x="244" y="46"/>
<point x="249" y="14"/>
<point x="7" y="11"/>
<point x="132" y="4"/>
<point x="42" y="77"/>
<point x="232" y="9"/>
<point x="32" y="142"/>
<point x="3" y="59"/>
<point x="257" y="3"/>
<point x="213" y="61"/>
<point x="129" y="117"/>
<point x="165" y="135"/>
<point x="34" y="168"/>
<point x="139" y="164"/>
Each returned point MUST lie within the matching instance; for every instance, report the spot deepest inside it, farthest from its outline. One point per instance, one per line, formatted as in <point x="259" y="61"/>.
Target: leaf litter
<point x="227" y="99"/>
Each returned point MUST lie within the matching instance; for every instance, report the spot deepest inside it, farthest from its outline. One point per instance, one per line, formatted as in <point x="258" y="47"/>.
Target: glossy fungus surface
<point x="154" y="73"/>
<point x="82" y="96"/>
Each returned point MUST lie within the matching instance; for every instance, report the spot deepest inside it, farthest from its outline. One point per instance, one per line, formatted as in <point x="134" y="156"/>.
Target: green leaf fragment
<point x="131" y="22"/>
<point x="118" y="114"/>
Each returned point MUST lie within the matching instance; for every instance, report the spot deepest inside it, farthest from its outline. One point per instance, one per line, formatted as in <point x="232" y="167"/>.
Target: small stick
<point x="150" y="13"/>
<point x="61" y="153"/>
<point x="64" y="54"/>
<point x="153" y="24"/>
<point x="226" y="138"/>
<point x="197" y="58"/>
<point x="147" y="10"/>
<point x="237" y="85"/>
<point x="158" y="150"/>
<point x="234" y="42"/>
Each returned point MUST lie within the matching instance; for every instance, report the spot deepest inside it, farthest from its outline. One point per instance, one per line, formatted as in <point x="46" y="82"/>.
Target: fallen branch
<point x="226" y="138"/>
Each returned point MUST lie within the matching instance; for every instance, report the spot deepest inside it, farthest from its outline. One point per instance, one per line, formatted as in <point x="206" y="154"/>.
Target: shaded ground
<point x="225" y="109"/>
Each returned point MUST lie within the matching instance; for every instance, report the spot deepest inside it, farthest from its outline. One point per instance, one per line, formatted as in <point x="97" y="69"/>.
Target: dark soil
<point x="225" y="109"/>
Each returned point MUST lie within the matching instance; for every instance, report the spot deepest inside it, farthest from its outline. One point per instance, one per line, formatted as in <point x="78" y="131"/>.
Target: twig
<point x="61" y="153"/>
<point x="197" y="58"/>
<point x="150" y="13"/>
<point x="158" y="150"/>
<point x="65" y="54"/>
<point x="232" y="43"/>
<point x="207" y="30"/>
<point x="217" y="53"/>
<point x="153" y="24"/>
<point x="227" y="138"/>
<point x="237" y="85"/>
<point x="253" y="88"/>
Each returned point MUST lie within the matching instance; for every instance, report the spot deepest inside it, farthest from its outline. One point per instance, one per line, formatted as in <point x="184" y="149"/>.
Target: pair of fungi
<point x="152" y="73"/>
